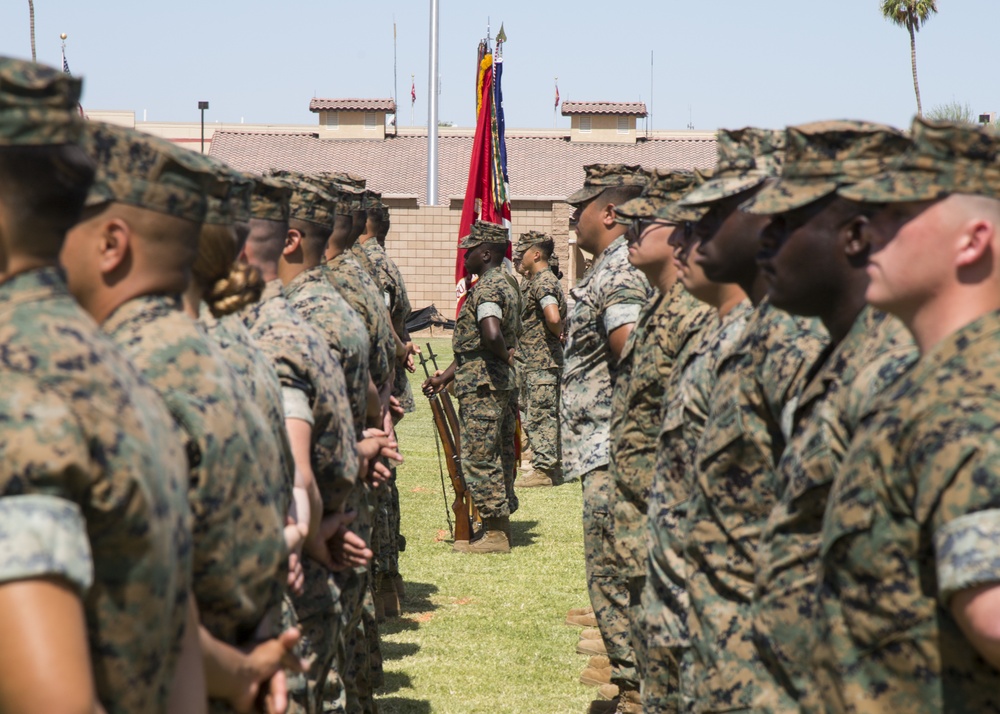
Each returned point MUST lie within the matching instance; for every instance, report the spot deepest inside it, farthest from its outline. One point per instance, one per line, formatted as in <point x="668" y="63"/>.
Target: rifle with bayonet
<point x="447" y="431"/>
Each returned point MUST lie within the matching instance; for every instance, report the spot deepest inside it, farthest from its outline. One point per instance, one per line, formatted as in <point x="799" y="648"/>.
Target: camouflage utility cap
<point x="665" y="187"/>
<point x="526" y="240"/>
<point x="483" y="232"/>
<point x="603" y="176"/>
<point x="149" y="172"/>
<point x="39" y="105"/>
<point x="944" y="158"/>
<point x="234" y="207"/>
<point x="346" y="182"/>
<point x="308" y="202"/>
<point x="747" y="158"/>
<point x="824" y="156"/>
<point x="677" y="212"/>
<point x="370" y="199"/>
<point x="270" y="199"/>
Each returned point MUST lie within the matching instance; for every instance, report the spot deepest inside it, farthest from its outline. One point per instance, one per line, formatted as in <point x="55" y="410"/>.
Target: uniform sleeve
<point x="959" y="496"/>
<point x="44" y="462"/>
<point x="296" y="405"/>
<point x="622" y="296"/>
<point x="546" y="292"/>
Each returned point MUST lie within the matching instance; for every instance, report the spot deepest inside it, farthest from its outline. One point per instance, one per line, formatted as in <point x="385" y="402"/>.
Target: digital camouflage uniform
<point x="540" y="362"/>
<point x="867" y="361"/>
<point x="237" y="491"/>
<point x="842" y="387"/>
<point x="667" y="684"/>
<point x="665" y="330"/>
<point x="609" y="296"/>
<point x="361" y="293"/>
<point x="912" y="515"/>
<point x="313" y="390"/>
<point x="483" y="387"/>
<point x="736" y="490"/>
<point x="256" y="376"/>
<point x="93" y="488"/>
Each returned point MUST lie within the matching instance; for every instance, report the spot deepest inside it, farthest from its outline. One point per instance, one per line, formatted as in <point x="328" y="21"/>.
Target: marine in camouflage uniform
<point x="609" y="296"/>
<point x="359" y="661"/>
<point x="238" y="502"/>
<point x="864" y="359"/>
<point x="484" y="384"/>
<point x="664" y="332"/>
<point x="315" y="391"/>
<point x="540" y="361"/>
<point x="668" y="684"/>
<point x="93" y="476"/>
<point x="911" y="524"/>
<point x="743" y="440"/>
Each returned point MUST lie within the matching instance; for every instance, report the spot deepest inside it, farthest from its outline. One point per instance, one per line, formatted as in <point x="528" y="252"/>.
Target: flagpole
<point x="432" y="112"/>
<point x="395" y="81"/>
<point x="555" y="107"/>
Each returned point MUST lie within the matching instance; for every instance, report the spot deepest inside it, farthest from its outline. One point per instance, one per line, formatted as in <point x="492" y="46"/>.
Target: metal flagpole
<point x="432" y="112"/>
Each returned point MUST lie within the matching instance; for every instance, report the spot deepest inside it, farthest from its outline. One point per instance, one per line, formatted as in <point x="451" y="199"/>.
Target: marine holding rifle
<point x="483" y="372"/>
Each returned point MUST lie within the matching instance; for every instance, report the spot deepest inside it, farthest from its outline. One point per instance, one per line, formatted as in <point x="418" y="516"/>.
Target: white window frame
<point x="623" y="127"/>
<point x="586" y="124"/>
<point x="332" y="120"/>
<point x="371" y="121"/>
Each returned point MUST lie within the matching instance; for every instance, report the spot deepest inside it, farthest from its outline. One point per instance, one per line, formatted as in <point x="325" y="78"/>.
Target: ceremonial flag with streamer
<point x="486" y="197"/>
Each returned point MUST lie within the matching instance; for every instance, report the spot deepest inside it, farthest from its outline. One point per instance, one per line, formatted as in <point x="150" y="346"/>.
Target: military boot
<point x="388" y="598"/>
<point x="494" y="540"/>
<point x="591" y="647"/>
<point x="535" y="479"/>
<point x="591" y="633"/>
<point x="595" y="677"/>
<point x="588" y="620"/>
<point x="580" y="611"/>
<point x="608" y="691"/>
<point x="629" y="702"/>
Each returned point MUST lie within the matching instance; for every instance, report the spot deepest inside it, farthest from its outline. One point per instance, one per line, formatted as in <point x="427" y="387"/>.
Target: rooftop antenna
<point x="649" y="114"/>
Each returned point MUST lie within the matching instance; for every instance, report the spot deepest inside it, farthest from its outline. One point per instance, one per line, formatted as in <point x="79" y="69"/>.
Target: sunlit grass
<point x="482" y="633"/>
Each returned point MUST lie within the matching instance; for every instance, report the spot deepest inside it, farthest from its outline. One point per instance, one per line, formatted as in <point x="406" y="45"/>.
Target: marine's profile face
<point x="728" y="240"/>
<point x="474" y="260"/>
<point x="586" y="221"/>
<point x="910" y="256"/>
<point x="649" y="243"/>
<point x="802" y="258"/>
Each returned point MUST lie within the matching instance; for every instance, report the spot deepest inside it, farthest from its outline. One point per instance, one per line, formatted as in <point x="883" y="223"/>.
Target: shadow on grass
<point x="399" y="705"/>
<point x="523" y="532"/>
<point x="416" y="604"/>
<point x="398" y="650"/>
<point x="394" y="681"/>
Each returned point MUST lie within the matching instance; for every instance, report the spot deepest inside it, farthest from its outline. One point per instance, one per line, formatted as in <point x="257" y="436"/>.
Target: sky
<point x="718" y="63"/>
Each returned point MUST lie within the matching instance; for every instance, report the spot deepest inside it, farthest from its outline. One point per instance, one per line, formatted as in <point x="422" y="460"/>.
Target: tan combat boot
<point x="589" y="620"/>
<point x="599" y="662"/>
<point x="591" y="647"/>
<point x="629" y="702"/>
<point x="495" y="539"/>
<point x="596" y="676"/>
<point x="591" y="633"/>
<point x="580" y="611"/>
<point x="535" y="479"/>
<point x="608" y="691"/>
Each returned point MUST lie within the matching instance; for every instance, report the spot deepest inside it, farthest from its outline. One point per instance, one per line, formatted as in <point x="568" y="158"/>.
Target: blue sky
<point x="719" y="63"/>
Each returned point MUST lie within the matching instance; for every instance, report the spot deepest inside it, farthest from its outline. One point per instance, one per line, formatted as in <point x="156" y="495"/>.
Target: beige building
<point x="544" y="166"/>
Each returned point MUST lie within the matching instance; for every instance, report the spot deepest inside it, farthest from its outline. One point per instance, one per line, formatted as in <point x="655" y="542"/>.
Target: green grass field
<point x="482" y="633"/>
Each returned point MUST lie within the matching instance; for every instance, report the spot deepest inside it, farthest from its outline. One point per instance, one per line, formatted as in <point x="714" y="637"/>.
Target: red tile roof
<point x="545" y="167"/>
<point x="637" y="109"/>
<point x="346" y="105"/>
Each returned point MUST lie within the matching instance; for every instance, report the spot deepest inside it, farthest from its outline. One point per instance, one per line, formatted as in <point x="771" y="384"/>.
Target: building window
<point x="371" y="120"/>
<point x="333" y="120"/>
<point x="623" y="125"/>
<point x="585" y="124"/>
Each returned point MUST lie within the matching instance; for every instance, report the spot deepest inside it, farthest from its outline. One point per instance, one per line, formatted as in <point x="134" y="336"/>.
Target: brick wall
<point x="423" y="240"/>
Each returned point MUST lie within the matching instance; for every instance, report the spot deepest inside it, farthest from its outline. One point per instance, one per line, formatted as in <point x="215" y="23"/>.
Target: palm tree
<point x="910" y="14"/>
<point x="31" y="16"/>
